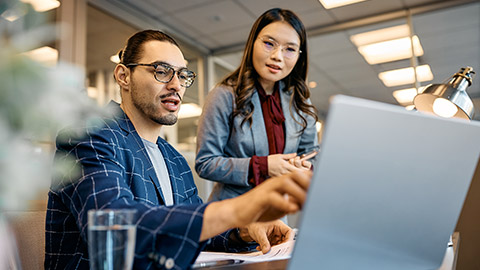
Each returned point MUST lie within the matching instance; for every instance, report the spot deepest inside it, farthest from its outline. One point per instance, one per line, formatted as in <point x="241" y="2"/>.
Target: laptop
<point x="387" y="189"/>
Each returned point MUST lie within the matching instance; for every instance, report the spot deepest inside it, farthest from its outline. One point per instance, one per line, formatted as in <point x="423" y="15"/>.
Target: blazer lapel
<point x="259" y="133"/>
<point x="291" y="127"/>
<point x="127" y="126"/>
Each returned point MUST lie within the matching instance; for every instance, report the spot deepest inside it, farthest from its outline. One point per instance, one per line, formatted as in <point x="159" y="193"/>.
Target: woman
<point x="259" y="117"/>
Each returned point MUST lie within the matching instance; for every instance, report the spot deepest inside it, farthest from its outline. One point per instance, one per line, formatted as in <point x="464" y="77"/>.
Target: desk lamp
<point x="448" y="99"/>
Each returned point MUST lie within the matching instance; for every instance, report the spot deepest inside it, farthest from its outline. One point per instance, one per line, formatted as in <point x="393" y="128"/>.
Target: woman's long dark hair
<point x="242" y="80"/>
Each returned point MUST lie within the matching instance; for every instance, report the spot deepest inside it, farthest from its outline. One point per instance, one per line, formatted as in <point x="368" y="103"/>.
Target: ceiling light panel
<point x="115" y="59"/>
<point x="328" y="4"/>
<point x="188" y="110"/>
<point x="380" y="35"/>
<point x="406" y="76"/>
<point x="405" y="96"/>
<point x="391" y="50"/>
<point x="43" y="5"/>
<point x="46" y="55"/>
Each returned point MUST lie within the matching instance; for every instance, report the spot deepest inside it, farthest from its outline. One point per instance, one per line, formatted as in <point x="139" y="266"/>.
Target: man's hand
<point x="268" y="201"/>
<point x="266" y="234"/>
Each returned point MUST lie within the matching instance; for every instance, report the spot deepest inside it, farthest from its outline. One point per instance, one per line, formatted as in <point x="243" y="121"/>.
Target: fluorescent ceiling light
<point x="115" y="59"/>
<point x="383" y="34"/>
<point x="43" y="5"/>
<point x="405" y="96"/>
<point x="46" y="55"/>
<point x="387" y="44"/>
<point x="92" y="92"/>
<point x="12" y="14"/>
<point x="391" y="50"/>
<point x="188" y="110"/>
<point x="406" y="76"/>
<point x="328" y="4"/>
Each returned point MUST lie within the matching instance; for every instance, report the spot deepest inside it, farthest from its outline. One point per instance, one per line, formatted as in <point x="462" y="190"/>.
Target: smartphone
<point x="309" y="155"/>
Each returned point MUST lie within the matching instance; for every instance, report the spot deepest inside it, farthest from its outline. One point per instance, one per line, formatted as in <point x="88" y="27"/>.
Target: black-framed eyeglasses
<point x="288" y="51"/>
<point x="164" y="73"/>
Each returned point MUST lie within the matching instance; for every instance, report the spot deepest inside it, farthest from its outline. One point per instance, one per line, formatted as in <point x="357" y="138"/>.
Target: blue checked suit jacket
<point x="116" y="172"/>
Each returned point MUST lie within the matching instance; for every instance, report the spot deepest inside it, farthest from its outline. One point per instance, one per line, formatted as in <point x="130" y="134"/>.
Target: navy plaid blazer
<point x="115" y="172"/>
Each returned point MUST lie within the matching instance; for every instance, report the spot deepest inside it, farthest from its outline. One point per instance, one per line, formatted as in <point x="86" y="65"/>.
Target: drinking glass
<point x="111" y="238"/>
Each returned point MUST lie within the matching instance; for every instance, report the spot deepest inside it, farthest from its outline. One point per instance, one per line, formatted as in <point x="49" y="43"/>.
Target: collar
<point x="121" y="117"/>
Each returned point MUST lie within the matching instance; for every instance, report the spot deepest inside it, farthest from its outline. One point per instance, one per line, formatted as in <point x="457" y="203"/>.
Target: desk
<point x="449" y="261"/>
<point x="271" y="265"/>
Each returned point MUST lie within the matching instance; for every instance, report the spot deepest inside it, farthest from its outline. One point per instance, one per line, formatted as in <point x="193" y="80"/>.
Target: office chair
<point x="29" y="230"/>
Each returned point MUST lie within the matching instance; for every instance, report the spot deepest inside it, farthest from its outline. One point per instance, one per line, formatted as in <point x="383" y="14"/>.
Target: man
<point x="117" y="171"/>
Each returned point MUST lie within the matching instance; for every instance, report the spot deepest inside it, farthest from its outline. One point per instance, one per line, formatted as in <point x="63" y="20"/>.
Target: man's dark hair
<point x="133" y="49"/>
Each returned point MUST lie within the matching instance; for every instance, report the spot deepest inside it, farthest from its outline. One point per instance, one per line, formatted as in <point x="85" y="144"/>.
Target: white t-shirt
<point x="161" y="170"/>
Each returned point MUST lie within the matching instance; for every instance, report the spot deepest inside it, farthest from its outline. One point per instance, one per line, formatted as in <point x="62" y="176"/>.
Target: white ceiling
<point x="449" y="31"/>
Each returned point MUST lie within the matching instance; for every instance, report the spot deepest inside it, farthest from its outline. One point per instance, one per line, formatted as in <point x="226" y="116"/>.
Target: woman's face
<point x="275" y="53"/>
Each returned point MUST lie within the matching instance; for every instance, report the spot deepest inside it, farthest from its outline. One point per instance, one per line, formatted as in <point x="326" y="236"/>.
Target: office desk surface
<point x="449" y="261"/>
<point x="271" y="265"/>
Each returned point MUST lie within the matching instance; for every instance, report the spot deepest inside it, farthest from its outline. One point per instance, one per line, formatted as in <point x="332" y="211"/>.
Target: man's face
<point x="157" y="101"/>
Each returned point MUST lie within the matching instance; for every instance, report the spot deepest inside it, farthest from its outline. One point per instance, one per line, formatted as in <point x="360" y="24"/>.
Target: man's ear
<point x="122" y="75"/>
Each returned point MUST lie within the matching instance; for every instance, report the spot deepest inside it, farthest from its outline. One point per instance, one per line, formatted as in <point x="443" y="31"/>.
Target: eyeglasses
<point x="288" y="51"/>
<point x="164" y="73"/>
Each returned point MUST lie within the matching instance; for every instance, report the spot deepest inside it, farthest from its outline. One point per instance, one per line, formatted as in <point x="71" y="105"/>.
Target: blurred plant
<point x="35" y="101"/>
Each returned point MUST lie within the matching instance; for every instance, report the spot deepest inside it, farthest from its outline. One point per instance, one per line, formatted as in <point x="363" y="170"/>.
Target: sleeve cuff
<point x="229" y="241"/>
<point x="258" y="170"/>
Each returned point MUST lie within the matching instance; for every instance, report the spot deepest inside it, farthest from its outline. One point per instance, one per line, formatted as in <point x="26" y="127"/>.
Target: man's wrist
<point x="217" y="218"/>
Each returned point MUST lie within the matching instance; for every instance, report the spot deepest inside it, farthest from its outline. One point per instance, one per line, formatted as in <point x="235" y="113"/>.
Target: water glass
<point x="111" y="238"/>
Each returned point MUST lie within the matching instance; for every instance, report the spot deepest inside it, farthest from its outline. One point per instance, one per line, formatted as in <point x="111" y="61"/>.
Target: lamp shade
<point x="449" y="99"/>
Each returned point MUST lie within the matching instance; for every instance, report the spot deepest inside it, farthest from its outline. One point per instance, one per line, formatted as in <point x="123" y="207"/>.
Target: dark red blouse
<point x="273" y="118"/>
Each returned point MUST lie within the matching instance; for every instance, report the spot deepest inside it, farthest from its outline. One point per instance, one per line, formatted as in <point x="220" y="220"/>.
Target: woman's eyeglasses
<point x="164" y="73"/>
<point x="288" y="51"/>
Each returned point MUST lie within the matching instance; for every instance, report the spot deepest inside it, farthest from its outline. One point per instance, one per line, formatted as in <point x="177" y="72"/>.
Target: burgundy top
<point x="273" y="118"/>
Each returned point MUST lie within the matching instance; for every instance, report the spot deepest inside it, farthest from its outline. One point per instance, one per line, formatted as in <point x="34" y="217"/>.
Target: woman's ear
<point x="122" y="76"/>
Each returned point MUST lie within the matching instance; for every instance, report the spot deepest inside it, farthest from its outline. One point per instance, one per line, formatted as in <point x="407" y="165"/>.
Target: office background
<point x="212" y="34"/>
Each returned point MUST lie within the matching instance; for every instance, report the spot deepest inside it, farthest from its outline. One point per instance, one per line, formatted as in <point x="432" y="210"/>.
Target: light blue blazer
<point x="224" y="148"/>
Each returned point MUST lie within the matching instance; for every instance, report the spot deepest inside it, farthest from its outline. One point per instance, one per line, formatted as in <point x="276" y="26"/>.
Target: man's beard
<point x="149" y="109"/>
<point x="168" y="120"/>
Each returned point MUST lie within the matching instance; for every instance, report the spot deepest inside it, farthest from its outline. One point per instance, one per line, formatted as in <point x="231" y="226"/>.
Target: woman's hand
<point x="280" y="164"/>
<point x="300" y="163"/>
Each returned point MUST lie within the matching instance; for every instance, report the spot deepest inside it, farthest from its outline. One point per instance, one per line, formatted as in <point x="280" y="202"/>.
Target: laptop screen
<point x="387" y="189"/>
